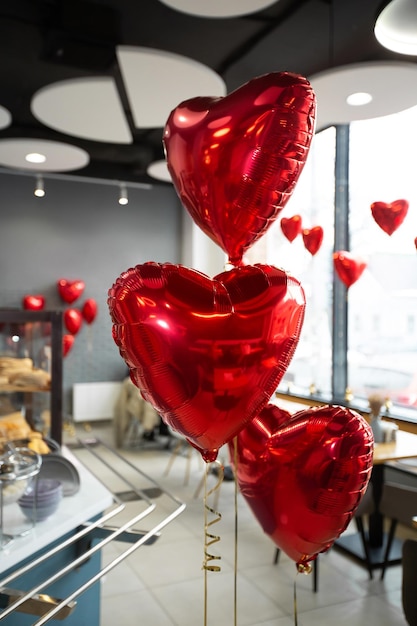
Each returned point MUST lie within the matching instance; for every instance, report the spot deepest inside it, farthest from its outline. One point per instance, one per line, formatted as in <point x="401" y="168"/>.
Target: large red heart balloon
<point x="291" y="226"/>
<point x="313" y="238"/>
<point x="73" y="320"/>
<point x="389" y="216"/>
<point x="348" y="268"/>
<point x="33" y="302"/>
<point x="70" y="290"/>
<point x="89" y="310"/>
<point x="235" y="161"/>
<point x="304" y="477"/>
<point x="206" y="353"/>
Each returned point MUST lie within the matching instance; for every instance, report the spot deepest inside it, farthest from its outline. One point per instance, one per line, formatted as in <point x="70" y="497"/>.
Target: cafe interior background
<point x="90" y="85"/>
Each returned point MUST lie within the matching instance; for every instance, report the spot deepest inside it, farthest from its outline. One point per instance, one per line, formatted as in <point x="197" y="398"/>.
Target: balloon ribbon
<point x="209" y="538"/>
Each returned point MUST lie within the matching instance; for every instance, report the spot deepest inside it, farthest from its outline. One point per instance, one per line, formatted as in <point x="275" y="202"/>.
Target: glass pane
<point x="382" y="304"/>
<point x="313" y="199"/>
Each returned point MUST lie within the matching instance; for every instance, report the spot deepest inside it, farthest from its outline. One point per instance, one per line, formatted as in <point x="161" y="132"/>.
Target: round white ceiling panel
<point x="56" y="156"/>
<point x="157" y="81"/>
<point x="89" y="108"/>
<point x="218" y="8"/>
<point x="159" y="171"/>
<point x="5" y="118"/>
<point x="383" y="88"/>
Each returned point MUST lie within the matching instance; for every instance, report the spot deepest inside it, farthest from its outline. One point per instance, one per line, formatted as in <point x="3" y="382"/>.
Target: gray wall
<point x="79" y="231"/>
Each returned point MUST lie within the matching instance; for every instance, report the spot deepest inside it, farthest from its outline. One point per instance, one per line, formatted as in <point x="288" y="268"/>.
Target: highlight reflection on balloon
<point x="235" y="161"/>
<point x="206" y="353"/>
<point x="304" y="477"/>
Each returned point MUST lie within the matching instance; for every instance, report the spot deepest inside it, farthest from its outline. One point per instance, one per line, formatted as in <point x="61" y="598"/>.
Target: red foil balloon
<point x="70" y="290"/>
<point x="291" y="226"/>
<point x="389" y="216"/>
<point x="206" y="353"/>
<point x="235" y="161"/>
<point x="67" y="343"/>
<point x="89" y="310"/>
<point x="33" y="302"/>
<point x="348" y="268"/>
<point x="313" y="238"/>
<point x="73" y="320"/>
<point x="304" y="477"/>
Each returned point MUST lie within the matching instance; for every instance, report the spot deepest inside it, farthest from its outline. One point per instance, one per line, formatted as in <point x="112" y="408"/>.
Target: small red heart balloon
<point x="235" y="161"/>
<point x="348" y="267"/>
<point x="313" y="238"/>
<point x="389" y="216"/>
<point x="304" y="477"/>
<point x="89" y="310"/>
<point x="206" y="353"/>
<point x="291" y="226"/>
<point x="73" y="320"/>
<point x="67" y="343"/>
<point x="70" y="290"/>
<point x="33" y="302"/>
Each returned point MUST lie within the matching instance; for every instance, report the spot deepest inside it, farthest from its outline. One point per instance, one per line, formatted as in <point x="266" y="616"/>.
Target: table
<point x="405" y="447"/>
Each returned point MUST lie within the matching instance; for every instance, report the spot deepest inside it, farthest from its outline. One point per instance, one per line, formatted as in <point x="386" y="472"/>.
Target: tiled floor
<point x="164" y="584"/>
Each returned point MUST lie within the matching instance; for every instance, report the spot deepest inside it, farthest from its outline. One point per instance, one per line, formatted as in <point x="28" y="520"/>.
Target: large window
<point x="362" y="339"/>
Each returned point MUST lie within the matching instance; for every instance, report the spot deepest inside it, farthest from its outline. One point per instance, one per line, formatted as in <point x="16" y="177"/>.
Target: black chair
<point x="409" y="595"/>
<point x="399" y="504"/>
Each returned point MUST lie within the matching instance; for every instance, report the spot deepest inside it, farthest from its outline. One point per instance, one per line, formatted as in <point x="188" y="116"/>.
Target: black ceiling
<point x="45" y="41"/>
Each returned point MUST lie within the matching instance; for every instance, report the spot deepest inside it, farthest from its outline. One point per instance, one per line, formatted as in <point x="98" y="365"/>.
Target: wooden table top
<point x="405" y="447"/>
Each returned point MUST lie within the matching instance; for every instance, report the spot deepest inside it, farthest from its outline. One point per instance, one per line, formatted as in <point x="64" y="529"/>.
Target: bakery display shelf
<point x="23" y="389"/>
<point x="135" y="499"/>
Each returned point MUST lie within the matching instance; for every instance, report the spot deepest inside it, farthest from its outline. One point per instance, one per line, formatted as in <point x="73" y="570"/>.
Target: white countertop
<point x="91" y="500"/>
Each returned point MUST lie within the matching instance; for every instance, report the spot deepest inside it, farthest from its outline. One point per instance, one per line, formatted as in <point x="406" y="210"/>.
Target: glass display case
<point x="31" y="373"/>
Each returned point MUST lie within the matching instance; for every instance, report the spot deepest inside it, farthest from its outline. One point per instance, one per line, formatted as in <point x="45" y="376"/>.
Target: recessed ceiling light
<point x="358" y="99"/>
<point x="35" y="157"/>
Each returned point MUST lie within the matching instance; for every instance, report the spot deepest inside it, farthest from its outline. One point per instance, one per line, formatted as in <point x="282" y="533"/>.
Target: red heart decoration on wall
<point x="67" y="343"/>
<point x="235" y="161"/>
<point x="70" y="290"/>
<point x="73" y="320"/>
<point x="304" y="477"/>
<point x="348" y="267"/>
<point x="291" y="226"/>
<point x="89" y="310"/>
<point x="313" y="238"/>
<point x="33" y="302"/>
<point x="389" y="216"/>
<point x="206" y="353"/>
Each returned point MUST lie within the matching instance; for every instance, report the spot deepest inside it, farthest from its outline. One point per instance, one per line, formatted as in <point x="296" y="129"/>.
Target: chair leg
<point x="276" y="556"/>
<point x="390" y="539"/>
<point x="316" y="574"/>
<point x="361" y="530"/>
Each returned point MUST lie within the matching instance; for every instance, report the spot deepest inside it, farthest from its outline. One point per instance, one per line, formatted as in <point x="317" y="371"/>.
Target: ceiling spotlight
<point x="39" y="190"/>
<point x="358" y="99"/>
<point x="123" y="198"/>
<point x="35" y="157"/>
<point x="396" y="27"/>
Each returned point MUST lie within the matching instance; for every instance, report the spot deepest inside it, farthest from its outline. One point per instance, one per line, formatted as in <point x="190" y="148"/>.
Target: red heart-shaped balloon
<point x="389" y="216"/>
<point x="89" y="310"/>
<point x="234" y="161"/>
<point x="33" y="302"/>
<point x="67" y="343"/>
<point x="313" y="238"/>
<point x="206" y="353"/>
<point x="73" y="320"/>
<point x="348" y="267"/>
<point x="304" y="477"/>
<point x="70" y="290"/>
<point x="291" y="226"/>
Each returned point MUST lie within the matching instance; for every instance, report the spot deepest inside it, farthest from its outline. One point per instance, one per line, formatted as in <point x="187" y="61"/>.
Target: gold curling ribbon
<point x="209" y="538"/>
<point x="302" y="568"/>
